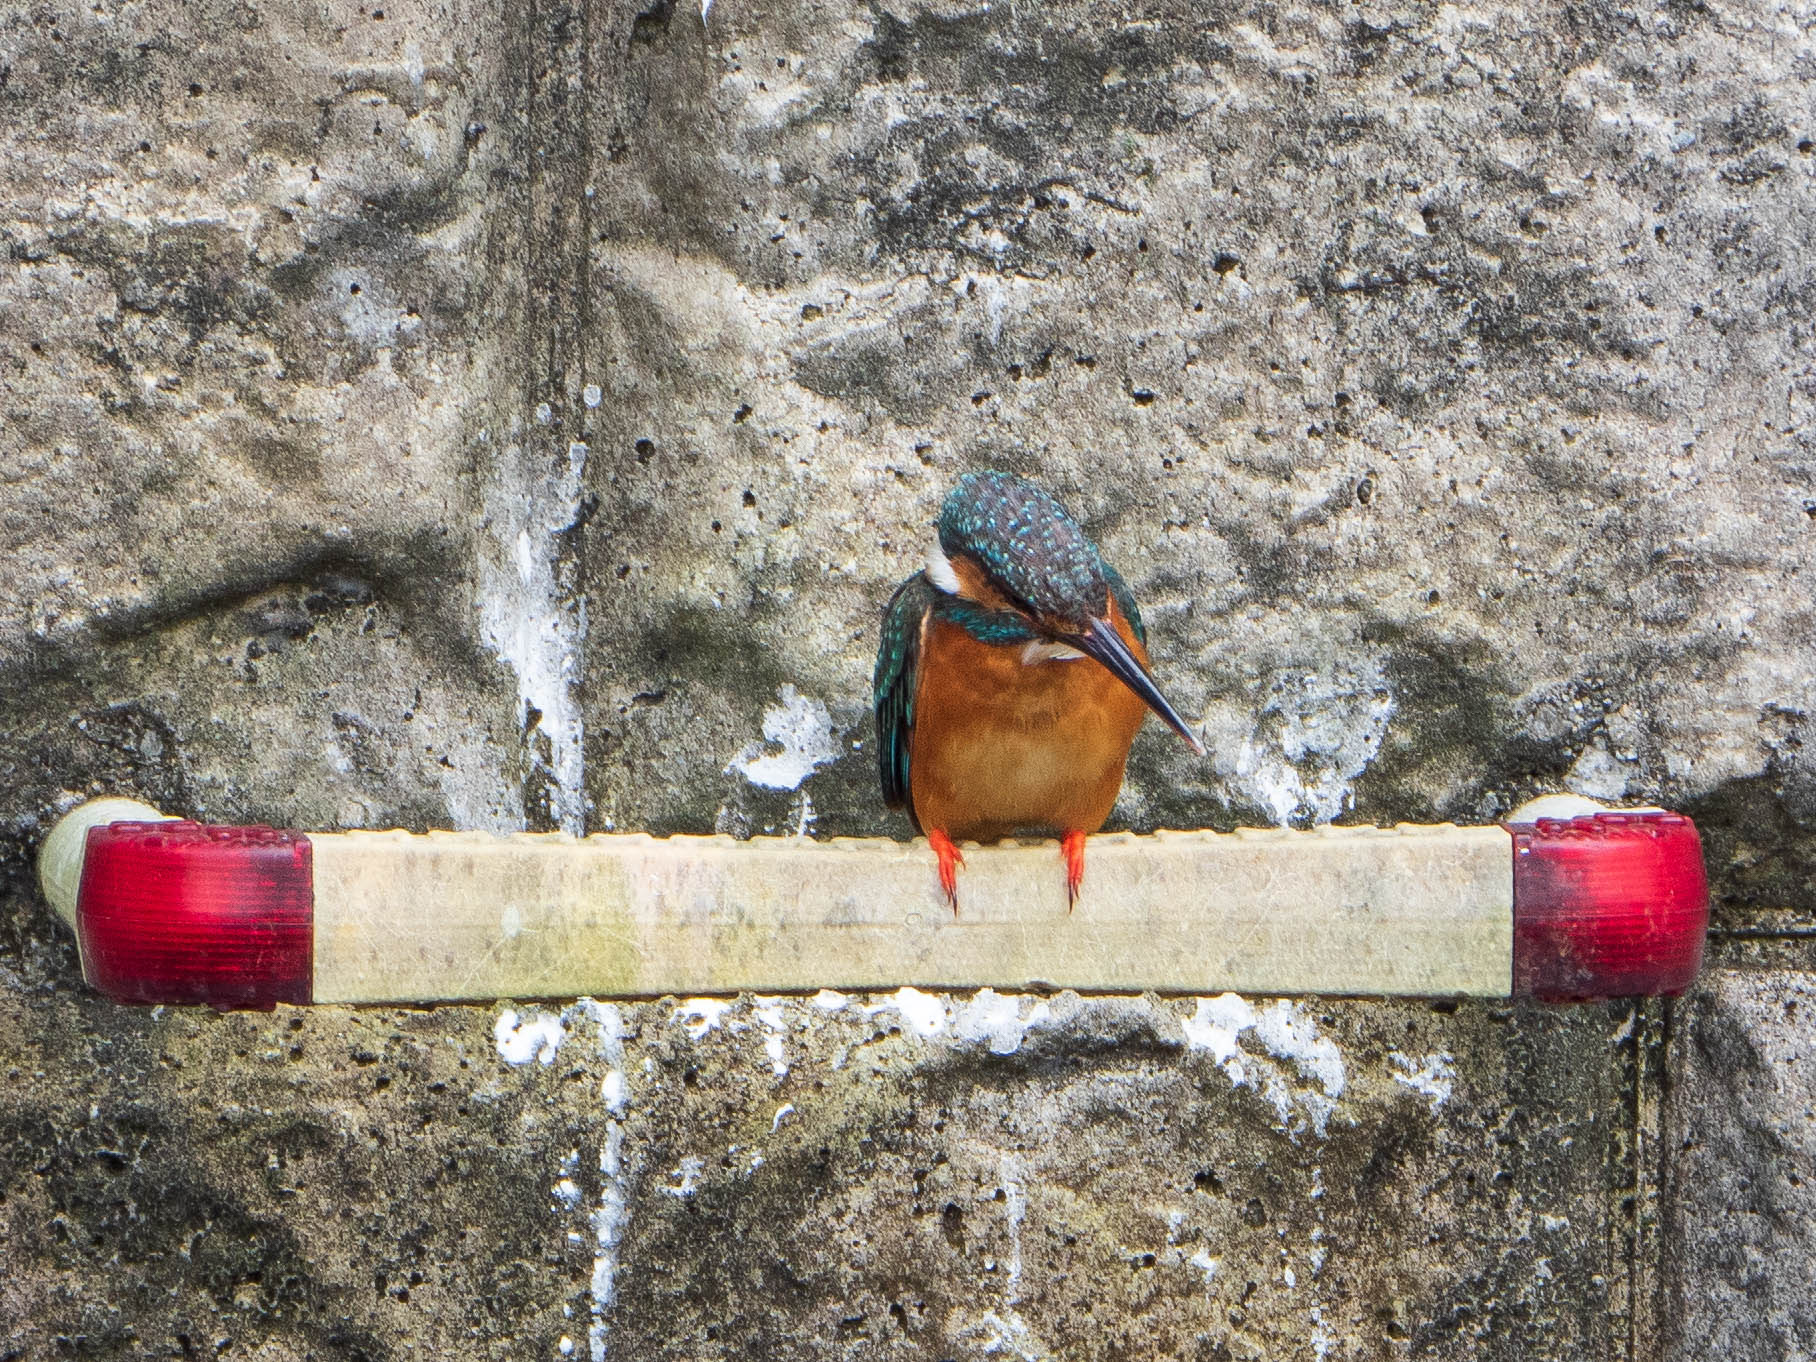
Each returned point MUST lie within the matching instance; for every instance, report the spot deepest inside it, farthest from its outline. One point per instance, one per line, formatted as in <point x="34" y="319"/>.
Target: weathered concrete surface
<point x="485" y="415"/>
<point x="305" y="1184"/>
<point x="246" y="261"/>
<point x="828" y="1177"/>
<point x="1440" y="377"/>
<point x="1742" y="1200"/>
<point x="1103" y="1190"/>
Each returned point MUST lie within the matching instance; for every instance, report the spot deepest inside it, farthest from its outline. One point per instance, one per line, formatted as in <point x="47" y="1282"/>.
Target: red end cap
<point x="187" y="913"/>
<point x="1610" y="905"/>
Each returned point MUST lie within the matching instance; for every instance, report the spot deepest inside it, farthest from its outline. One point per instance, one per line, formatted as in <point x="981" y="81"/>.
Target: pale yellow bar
<point x="1423" y="911"/>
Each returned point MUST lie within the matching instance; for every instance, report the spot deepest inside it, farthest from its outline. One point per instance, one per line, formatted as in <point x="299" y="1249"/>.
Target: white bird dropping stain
<point x="614" y="1204"/>
<point x="802" y="728"/>
<point x="924" y="1013"/>
<point x="997" y="1020"/>
<point x="1430" y="1074"/>
<point x="769" y="1013"/>
<point x="1288" y="1032"/>
<point x="1315" y="733"/>
<point x="532" y="616"/>
<point x="1206" y="1264"/>
<point x="537" y="1036"/>
<point x="1215" y="1026"/>
<point x="1005" y="1330"/>
<point x="700" y="1015"/>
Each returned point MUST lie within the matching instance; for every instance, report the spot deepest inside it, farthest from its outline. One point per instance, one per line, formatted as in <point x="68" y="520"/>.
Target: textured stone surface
<point x="305" y="1184"/>
<point x="1742" y="1215"/>
<point x="246" y="264"/>
<point x="1103" y="1190"/>
<point x="1438" y="378"/>
<point x="485" y="415"/>
<point x="829" y="1177"/>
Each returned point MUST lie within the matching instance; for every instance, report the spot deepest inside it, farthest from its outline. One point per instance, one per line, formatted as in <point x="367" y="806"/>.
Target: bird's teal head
<point x="1020" y="563"/>
<point x="1012" y="539"/>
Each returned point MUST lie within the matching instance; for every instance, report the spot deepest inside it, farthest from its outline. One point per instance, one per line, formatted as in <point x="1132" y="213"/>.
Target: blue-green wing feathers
<point x="897" y="673"/>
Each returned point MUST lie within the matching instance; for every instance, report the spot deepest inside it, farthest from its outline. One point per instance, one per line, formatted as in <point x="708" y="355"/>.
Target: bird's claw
<point x="1072" y="847"/>
<point x="950" y="860"/>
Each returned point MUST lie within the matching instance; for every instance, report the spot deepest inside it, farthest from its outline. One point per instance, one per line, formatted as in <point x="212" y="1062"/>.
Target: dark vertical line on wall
<point x="500" y="138"/>
<point x="553" y="152"/>
<point x="1634" y="1167"/>
<point x="583" y="234"/>
<point x="556" y="266"/>
<point x="1669" y="1303"/>
<point x="540" y="313"/>
<point x="1654" y="1050"/>
<point x="570" y="562"/>
<point x="1619" y="1171"/>
<point x="573" y="559"/>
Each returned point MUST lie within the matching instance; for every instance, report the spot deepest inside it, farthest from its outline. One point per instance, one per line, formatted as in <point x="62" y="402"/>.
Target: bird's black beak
<point x="1102" y="642"/>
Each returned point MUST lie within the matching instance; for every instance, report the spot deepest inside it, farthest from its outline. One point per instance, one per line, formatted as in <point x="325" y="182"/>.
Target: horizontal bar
<point x="1340" y="910"/>
<point x="1590" y="903"/>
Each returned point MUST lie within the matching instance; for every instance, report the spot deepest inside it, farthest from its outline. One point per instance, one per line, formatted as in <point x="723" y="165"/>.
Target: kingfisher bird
<point x="1011" y="677"/>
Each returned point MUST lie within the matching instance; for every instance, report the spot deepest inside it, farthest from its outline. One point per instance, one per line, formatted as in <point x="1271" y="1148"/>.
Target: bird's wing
<point x="897" y="672"/>
<point x="1125" y="601"/>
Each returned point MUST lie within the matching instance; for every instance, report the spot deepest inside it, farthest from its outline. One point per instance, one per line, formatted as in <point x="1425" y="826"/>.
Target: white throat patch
<point x="941" y="574"/>
<point x="1045" y="650"/>
<point x="939" y="570"/>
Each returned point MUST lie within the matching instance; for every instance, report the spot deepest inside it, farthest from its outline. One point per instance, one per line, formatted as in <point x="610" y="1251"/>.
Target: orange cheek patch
<point x="974" y="586"/>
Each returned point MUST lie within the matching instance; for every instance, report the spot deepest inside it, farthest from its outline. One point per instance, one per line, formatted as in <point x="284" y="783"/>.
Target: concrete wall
<point x="503" y="416"/>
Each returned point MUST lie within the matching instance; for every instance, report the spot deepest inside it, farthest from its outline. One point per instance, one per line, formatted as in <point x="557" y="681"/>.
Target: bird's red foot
<point x="1072" y="847"/>
<point x="950" y="861"/>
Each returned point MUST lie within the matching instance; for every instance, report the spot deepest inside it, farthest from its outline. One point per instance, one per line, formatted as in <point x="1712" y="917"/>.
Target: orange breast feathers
<point x="1001" y="745"/>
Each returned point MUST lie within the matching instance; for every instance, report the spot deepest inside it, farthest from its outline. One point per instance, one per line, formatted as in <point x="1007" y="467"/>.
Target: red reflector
<point x="1610" y="905"/>
<point x="186" y="913"/>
